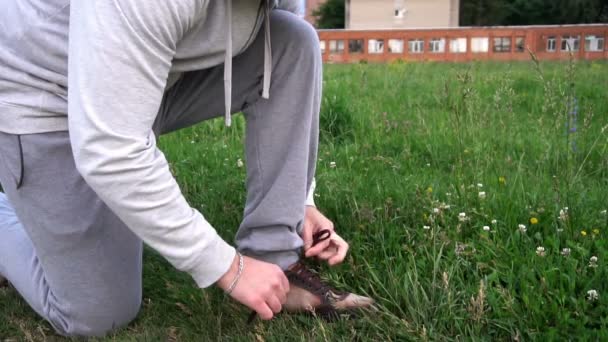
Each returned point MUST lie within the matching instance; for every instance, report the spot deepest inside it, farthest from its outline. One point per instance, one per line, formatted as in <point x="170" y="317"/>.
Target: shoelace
<point x="310" y="277"/>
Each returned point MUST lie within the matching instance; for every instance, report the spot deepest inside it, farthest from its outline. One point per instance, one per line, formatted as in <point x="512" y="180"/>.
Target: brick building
<point x="465" y="43"/>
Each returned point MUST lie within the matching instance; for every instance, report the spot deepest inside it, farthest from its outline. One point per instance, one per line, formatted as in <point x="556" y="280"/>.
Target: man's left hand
<point x="333" y="249"/>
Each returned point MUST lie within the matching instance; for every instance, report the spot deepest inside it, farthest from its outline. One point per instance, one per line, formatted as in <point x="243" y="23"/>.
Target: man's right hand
<point x="262" y="287"/>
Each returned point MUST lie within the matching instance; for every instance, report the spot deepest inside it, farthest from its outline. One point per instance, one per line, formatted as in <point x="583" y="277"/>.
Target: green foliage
<point x="532" y="12"/>
<point x="423" y="140"/>
<point x="330" y="15"/>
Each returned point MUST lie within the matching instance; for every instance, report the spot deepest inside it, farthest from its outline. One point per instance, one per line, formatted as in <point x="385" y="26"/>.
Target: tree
<point x="532" y="12"/>
<point x="330" y="15"/>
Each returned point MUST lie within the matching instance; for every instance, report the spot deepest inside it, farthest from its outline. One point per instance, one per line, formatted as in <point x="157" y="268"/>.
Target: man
<point x="85" y="183"/>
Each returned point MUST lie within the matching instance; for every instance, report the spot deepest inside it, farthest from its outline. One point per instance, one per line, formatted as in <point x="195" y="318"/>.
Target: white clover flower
<point x="479" y="185"/>
<point x="239" y="163"/>
<point x="448" y="194"/>
<point x="566" y="251"/>
<point x="603" y="212"/>
<point x="593" y="262"/>
<point x="435" y="210"/>
<point x="540" y="251"/>
<point x="482" y="195"/>
<point x="428" y="165"/>
<point x="494" y="222"/>
<point x="523" y="228"/>
<point x="426" y="227"/>
<point x="462" y="217"/>
<point x="592" y="295"/>
<point x="486" y="228"/>
<point x="332" y="165"/>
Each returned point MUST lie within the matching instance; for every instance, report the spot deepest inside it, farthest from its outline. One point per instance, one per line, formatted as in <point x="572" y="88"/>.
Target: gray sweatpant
<point x="79" y="266"/>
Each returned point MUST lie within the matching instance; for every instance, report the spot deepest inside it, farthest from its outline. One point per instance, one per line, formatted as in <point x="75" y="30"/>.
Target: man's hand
<point x="333" y="249"/>
<point x="262" y="287"/>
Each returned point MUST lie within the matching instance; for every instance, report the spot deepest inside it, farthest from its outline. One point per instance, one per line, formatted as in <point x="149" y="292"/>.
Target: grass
<point x="413" y="147"/>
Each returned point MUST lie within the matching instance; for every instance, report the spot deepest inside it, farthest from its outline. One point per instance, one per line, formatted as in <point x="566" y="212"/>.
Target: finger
<point x="342" y="251"/>
<point x="285" y="283"/>
<point x="321" y="246"/>
<point x="275" y="304"/>
<point x="279" y="292"/>
<point x="264" y="311"/>
<point x="328" y="253"/>
<point x="307" y="235"/>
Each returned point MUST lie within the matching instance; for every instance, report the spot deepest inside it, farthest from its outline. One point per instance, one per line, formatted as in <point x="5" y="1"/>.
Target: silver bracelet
<point x="238" y="274"/>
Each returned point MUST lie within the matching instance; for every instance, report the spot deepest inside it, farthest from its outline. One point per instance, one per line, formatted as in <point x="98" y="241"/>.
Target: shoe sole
<point x="329" y="315"/>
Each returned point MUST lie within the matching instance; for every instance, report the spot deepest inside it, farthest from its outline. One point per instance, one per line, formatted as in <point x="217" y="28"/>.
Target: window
<point x="437" y="45"/>
<point x="502" y="44"/>
<point x="400" y="9"/>
<point x="355" y="45"/>
<point x="551" y="44"/>
<point x="375" y="46"/>
<point x="395" y="45"/>
<point x="416" y="45"/>
<point x="594" y="43"/>
<point x="480" y="44"/>
<point x="322" y="45"/>
<point x="520" y="44"/>
<point x="571" y="43"/>
<point x="336" y="46"/>
<point x="458" y="45"/>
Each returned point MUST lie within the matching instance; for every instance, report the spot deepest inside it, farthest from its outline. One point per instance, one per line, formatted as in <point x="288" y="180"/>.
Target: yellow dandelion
<point x="429" y="190"/>
<point x="534" y="220"/>
<point x="583" y="232"/>
<point x="502" y="180"/>
<point x="596" y="232"/>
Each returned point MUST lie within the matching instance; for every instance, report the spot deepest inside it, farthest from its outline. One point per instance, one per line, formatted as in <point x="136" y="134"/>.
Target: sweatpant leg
<point x="66" y="253"/>
<point x="282" y="132"/>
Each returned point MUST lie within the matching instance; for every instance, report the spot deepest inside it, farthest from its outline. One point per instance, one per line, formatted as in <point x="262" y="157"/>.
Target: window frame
<point x="458" y="40"/>
<point x="516" y="47"/>
<point x="373" y="51"/>
<point x="399" y="40"/>
<point x="418" y="42"/>
<point x="437" y="45"/>
<point x="565" y="47"/>
<point x="486" y="45"/>
<point x="361" y="46"/>
<point x="501" y="47"/>
<point x="551" y="40"/>
<point x="597" y="38"/>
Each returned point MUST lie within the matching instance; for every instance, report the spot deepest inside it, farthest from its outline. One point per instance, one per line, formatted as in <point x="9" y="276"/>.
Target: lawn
<point x="474" y="198"/>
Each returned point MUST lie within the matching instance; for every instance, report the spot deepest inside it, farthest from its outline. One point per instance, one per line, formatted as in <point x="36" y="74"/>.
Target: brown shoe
<point x="309" y="294"/>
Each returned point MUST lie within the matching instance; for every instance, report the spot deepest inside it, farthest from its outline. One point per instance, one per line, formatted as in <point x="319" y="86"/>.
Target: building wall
<point x="380" y="14"/>
<point x="465" y="44"/>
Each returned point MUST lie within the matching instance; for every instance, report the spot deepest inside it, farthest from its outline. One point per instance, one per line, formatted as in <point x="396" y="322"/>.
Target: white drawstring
<point x="267" y="53"/>
<point x="228" y="65"/>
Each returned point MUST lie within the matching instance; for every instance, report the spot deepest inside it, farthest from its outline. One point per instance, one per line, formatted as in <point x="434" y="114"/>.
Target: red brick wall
<point x="535" y="40"/>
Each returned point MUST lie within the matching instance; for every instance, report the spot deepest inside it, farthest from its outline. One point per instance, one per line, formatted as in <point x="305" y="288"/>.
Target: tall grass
<point x="447" y="180"/>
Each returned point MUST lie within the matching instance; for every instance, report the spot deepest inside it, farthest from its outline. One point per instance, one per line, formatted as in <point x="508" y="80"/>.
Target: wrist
<point x="226" y="279"/>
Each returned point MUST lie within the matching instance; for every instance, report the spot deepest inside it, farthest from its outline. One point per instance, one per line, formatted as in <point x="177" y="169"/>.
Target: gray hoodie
<point x="123" y="55"/>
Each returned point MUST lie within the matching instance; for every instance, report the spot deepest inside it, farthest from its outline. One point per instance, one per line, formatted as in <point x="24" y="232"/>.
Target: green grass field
<point x="428" y="170"/>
